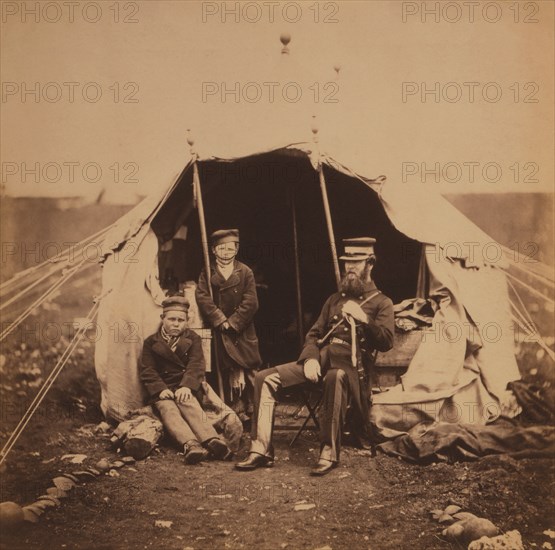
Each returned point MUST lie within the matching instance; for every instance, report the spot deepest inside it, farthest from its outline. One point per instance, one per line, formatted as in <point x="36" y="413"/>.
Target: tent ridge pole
<point x="206" y="256"/>
<point x="329" y="224"/>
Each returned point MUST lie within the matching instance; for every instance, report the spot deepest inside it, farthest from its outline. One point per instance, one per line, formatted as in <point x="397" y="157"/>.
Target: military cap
<point x="224" y="236"/>
<point x="175" y="303"/>
<point x="358" y="249"/>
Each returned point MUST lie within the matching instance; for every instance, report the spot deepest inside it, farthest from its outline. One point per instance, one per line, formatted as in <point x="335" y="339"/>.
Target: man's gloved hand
<point x="312" y="370"/>
<point x="183" y="394"/>
<point x="355" y="311"/>
<point x="225" y="326"/>
<point x="166" y="394"/>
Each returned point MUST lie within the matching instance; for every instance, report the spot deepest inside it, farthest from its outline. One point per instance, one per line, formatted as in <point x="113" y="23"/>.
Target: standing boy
<point x="230" y="312"/>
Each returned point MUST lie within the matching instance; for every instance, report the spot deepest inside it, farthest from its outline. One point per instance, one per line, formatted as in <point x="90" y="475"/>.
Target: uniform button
<point x="345" y="329"/>
<point x="343" y="294"/>
<point x="335" y="317"/>
<point x="360" y="297"/>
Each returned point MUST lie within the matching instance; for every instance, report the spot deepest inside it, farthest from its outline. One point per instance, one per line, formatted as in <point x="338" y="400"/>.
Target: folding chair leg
<point x="299" y="431"/>
<point x="312" y="409"/>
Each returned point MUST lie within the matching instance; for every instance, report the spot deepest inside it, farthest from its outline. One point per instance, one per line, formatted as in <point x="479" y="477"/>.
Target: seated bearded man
<point x="352" y="324"/>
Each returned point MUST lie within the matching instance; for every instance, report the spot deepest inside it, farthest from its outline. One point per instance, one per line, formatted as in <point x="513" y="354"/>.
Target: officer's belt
<point x="339" y="341"/>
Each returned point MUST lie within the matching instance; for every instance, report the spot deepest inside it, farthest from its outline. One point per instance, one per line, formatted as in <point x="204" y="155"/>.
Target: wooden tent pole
<point x="206" y="255"/>
<point x="300" y="320"/>
<point x="329" y="224"/>
<point x="323" y="189"/>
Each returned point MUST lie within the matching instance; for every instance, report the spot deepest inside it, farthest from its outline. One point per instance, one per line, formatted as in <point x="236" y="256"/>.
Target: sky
<point x="454" y="96"/>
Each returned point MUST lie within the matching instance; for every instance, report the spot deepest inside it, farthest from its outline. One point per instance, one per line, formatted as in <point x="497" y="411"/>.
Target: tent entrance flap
<point x="254" y="194"/>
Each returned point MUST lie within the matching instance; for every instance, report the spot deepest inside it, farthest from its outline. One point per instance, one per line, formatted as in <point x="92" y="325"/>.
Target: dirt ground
<point x="367" y="502"/>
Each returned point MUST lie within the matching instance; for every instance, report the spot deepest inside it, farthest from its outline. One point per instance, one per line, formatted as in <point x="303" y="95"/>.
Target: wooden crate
<point x="206" y="335"/>
<point x="404" y="348"/>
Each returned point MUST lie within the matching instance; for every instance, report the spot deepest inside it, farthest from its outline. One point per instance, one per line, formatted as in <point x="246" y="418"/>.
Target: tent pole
<point x="329" y="224"/>
<point x="204" y="238"/>
<point x="300" y="320"/>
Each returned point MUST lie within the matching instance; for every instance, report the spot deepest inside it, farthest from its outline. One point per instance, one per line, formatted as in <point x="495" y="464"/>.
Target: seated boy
<point x="172" y="371"/>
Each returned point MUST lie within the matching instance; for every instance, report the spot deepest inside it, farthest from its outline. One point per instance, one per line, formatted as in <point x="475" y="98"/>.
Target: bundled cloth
<point x="414" y="313"/>
<point x="447" y="442"/>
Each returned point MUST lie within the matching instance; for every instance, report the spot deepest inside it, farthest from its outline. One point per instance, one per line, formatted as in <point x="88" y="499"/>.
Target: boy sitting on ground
<point x="172" y="371"/>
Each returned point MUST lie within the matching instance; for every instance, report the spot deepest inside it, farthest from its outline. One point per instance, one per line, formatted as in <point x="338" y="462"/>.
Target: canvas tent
<point x="425" y="248"/>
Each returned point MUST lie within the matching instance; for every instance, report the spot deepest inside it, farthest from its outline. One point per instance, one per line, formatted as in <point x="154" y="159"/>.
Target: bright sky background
<point x="170" y="52"/>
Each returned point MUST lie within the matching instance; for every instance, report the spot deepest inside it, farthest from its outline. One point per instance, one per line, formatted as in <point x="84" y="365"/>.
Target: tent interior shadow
<point x="271" y="198"/>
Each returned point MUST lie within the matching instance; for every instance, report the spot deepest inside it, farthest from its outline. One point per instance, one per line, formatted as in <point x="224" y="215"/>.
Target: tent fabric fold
<point x="460" y="372"/>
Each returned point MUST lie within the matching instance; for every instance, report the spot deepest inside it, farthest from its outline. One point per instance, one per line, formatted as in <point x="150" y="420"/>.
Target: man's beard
<point x="353" y="285"/>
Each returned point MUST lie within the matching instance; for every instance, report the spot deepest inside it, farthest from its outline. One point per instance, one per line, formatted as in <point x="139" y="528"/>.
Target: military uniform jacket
<point x="235" y="300"/>
<point x="376" y="334"/>
<point x="160" y="368"/>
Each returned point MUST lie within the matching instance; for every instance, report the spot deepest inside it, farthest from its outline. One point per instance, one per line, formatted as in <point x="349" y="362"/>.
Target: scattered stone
<point x="103" y="427"/>
<point x="75" y="458"/>
<point x="437" y="513"/>
<point x="117" y="464"/>
<point x="53" y="499"/>
<point x="303" y="507"/>
<point x="446" y="519"/>
<point x="11" y="515"/>
<point x="163" y="524"/>
<point x="549" y="533"/>
<point x="64" y="483"/>
<point x="102" y="465"/>
<point x="29" y="515"/>
<point x="44" y="503"/>
<point x="452" y="509"/>
<point x="93" y="471"/>
<point x="55" y="492"/>
<point x="466" y="531"/>
<point x="511" y="540"/>
<point x="454" y="532"/>
<point x="128" y="460"/>
<point x="72" y="477"/>
<point x="113" y="473"/>
<point x="35" y="509"/>
<point x="464" y="515"/>
<point x="547" y="546"/>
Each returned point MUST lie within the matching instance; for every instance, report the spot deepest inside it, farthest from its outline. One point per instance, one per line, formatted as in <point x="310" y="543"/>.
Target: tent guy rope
<point x="39" y="301"/>
<point x="39" y="398"/>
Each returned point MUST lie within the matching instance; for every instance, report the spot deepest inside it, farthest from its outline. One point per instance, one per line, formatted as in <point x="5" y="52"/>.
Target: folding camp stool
<point x="313" y="406"/>
<point x="308" y="389"/>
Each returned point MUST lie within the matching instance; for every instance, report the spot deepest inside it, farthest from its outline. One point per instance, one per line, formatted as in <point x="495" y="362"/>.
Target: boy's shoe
<point x="218" y="449"/>
<point x="194" y="453"/>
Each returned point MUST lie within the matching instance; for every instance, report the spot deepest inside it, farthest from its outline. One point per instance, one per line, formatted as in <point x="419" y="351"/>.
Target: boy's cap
<point x="176" y="303"/>
<point x="224" y="236"/>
